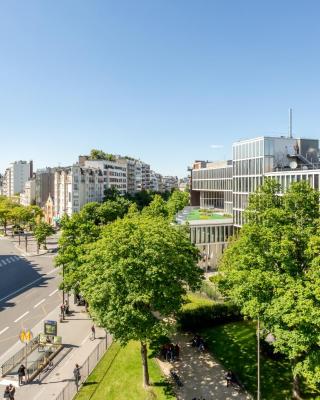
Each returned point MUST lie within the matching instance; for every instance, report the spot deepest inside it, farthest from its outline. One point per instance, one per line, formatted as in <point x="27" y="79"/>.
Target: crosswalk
<point x="8" y="260"/>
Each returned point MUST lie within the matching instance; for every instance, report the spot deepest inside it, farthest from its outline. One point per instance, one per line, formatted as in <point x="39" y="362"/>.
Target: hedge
<point x="205" y="316"/>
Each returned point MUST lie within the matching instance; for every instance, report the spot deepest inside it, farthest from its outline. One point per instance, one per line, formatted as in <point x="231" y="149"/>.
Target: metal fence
<point x="70" y="390"/>
<point x="19" y="356"/>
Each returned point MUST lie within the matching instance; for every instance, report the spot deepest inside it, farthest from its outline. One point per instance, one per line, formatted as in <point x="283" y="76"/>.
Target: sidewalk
<point x="201" y="375"/>
<point x="75" y="332"/>
<point x="32" y="251"/>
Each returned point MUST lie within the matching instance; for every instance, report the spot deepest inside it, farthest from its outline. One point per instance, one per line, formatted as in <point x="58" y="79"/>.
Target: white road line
<point x="4" y="262"/>
<point x="3" y="330"/>
<point x="55" y="291"/>
<point x="29" y="284"/>
<point x="40" y="302"/>
<point x="21" y="316"/>
<point x="13" y="259"/>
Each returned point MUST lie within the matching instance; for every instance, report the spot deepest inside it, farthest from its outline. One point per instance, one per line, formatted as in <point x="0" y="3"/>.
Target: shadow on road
<point x="18" y="275"/>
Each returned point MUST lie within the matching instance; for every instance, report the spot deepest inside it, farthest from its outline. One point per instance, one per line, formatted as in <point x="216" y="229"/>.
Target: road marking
<point x="3" y="330"/>
<point x="4" y="262"/>
<point x="40" y="302"/>
<point x="29" y="284"/>
<point x="21" y="316"/>
<point x="55" y="291"/>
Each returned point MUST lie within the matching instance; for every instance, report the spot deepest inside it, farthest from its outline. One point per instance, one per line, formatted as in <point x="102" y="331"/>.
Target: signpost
<point x="26" y="336"/>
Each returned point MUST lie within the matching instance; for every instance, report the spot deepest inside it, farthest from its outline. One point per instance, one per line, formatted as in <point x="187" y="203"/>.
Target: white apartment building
<point x="145" y="176"/>
<point x="28" y="196"/>
<point x="76" y="186"/>
<point x="134" y="173"/>
<point x="114" y="173"/>
<point x="18" y="173"/>
<point x="169" y="183"/>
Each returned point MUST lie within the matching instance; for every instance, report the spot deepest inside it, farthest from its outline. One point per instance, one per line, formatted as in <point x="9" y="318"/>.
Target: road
<point x="28" y="291"/>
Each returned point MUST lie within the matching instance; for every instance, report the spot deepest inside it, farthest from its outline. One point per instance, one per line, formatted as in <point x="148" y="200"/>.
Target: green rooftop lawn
<point x="204" y="215"/>
<point x="118" y="376"/>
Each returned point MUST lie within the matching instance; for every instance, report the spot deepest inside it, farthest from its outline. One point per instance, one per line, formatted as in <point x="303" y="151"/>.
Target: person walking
<point x="6" y="394"/>
<point x="22" y="374"/>
<point x="77" y="375"/>
<point x="93" y="332"/>
<point x="12" y="391"/>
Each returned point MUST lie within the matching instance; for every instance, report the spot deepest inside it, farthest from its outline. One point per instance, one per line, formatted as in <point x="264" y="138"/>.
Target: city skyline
<point x="154" y="79"/>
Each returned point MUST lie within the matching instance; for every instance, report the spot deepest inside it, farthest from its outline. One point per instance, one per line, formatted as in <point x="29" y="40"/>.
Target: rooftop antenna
<point x="290" y="123"/>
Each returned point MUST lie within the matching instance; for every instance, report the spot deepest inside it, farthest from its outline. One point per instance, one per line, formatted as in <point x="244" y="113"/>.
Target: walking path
<point x="201" y="375"/>
<point x="75" y="332"/>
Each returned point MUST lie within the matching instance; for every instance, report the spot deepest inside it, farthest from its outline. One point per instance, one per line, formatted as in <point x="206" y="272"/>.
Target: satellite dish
<point x="293" y="164"/>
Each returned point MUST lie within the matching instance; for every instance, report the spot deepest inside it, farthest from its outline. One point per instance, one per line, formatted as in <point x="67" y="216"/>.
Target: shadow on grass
<point x="167" y="387"/>
<point x="234" y="345"/>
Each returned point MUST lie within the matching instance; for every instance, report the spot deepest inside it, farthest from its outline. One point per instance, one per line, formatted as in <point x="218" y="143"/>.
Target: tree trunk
<point x="5" y="228"/>
<point x="38" y="248"/>
<point x="296" y="394"/>
<point x="144" y="358"/>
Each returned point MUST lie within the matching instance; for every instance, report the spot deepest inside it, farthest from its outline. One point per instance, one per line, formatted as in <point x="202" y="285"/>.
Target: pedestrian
<point x="12" y="391"/>
<point x="176" y="351"/>
<point x="66" y="307"/>
<point x="76" y="374"/>
<point x="6" y="394"/>
<point x="22" y="374"/>
<point x="93" y="332"/>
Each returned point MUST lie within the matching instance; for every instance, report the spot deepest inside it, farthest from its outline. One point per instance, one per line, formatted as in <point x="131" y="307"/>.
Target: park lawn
<point x="234" y="345"/>
<point x="196" y="300"/>
<point x="118" y="376"/>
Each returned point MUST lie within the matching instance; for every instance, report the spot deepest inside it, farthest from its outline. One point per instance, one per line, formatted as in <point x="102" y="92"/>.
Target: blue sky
<point x="163" y="81"/>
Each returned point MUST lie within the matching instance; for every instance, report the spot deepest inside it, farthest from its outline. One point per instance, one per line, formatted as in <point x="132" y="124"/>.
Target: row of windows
<point x="247" y="184"/>
<point x="214" y="173"/>
<point x="247" y="150"/>
<point x="248" y="167"/>
<point x="223" y="184"/>
<point x="210" y="234"/>
<point x="286" y="180"/>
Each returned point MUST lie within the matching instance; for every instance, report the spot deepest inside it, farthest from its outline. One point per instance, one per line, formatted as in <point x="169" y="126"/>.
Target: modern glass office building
<point x="226" y="186"/>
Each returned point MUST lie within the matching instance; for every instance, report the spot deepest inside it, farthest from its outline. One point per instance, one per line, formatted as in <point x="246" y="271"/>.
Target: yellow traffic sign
<point x="25" y="336"/>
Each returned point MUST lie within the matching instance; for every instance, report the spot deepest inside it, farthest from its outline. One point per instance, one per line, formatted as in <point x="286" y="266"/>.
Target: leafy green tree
<point x="81" y="229"/>
<point x="111" y="194"/>
<point x="41" y="232"/>
<point x="101" y="155"/>
<point x="157" y="207"/>
<point x="177" y="201"/>
<point x="271" y="270"/>
<point x="5" y="213"/>
<point x="136" y="276"/>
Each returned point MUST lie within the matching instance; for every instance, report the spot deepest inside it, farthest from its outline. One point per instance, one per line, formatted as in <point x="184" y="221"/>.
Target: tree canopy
<point x="271" y="270"/>
<point x="136" y="274"/>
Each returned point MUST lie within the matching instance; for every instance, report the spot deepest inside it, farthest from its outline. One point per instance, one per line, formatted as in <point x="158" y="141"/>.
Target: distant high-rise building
<point x="18" y="173"/>
<point x="44" y="185"/>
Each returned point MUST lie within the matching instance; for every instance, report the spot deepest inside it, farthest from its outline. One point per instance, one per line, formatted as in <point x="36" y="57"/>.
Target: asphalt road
<point x="28" y="291"/>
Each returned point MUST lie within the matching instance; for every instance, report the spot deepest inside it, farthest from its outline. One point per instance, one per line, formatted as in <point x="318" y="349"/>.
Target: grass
<point x="196" y="300"/>
<point x="118" y="376"/>
<point x="196" y="215"/>
<point x="234" y="345"/>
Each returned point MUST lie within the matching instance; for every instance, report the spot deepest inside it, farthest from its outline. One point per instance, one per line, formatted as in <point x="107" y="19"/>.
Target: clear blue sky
<point x="162" y="80"/>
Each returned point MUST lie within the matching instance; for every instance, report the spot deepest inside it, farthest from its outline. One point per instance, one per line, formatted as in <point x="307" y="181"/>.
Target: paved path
<point x="201" y="375"/>
<point x="75" y="332"/>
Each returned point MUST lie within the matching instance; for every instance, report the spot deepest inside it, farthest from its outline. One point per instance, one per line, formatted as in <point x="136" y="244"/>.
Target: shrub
<point x="195" y="317"/>
<point x="211" y="290"/>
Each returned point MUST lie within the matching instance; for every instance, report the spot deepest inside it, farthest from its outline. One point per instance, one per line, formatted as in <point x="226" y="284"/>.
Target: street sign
<point x="50" y="327"/>
<point x="25" y="336"/>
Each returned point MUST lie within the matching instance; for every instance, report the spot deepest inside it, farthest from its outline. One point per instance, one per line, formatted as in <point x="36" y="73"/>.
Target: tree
<point x="101" y="155"/>
<point x="81" y="229"/>
<point x="136" y="276"/>
<point x="177" y="201"/>
<point x="271" y="270"/>
<point x="41" y="232"/>
<point x="157" y="207"/>
<point x="111" y="194"/>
